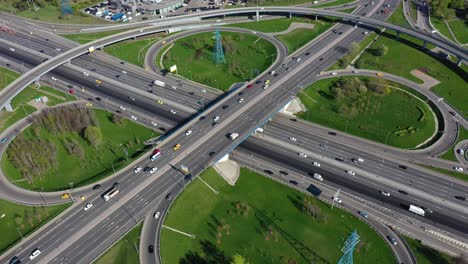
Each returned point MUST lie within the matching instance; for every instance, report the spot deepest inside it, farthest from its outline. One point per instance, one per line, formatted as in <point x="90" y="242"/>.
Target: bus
<point x="110" y="193"/>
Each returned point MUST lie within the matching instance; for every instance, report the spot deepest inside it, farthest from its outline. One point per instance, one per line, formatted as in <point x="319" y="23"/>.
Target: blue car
<point x="3" y="140"/>
<point x="363" y="214"/>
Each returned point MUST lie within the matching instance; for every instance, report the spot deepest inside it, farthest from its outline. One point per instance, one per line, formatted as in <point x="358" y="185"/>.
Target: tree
<point x="116" y="119"/>
<point x="238" y="259"/>
<point x="93" y="135"/>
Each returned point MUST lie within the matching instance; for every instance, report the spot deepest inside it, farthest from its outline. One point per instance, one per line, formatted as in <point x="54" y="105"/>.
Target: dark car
<point x="225" y="106"/>
<point x="339" y="159"/>
<point x="402" y="167"/>
<point x="402" y="192"/>
<point x="98" y="99"/>
<point x="146" y="169"/>
<point x="241" y="93"/>
<point x="212" y="154"/>
<point x="249" y="86"/>
<point x="115" y="184"/>
<point x="332" y="133"/>
<point x="202" y="118"/>
<point x="214" y="124"/>
<point x="169" y="197"/>
<point x="150" y="249"/>
<point x="14" y="260"/>
<point x="284" y="172"/>
<point x="97" y="186"/>
<point x="461" y="198"/>
<point x="307" y="53"/>
<point x="268" y="172"/>
<point x="258" y="81"/>
<point x="293" y="182"/>
<point x="293" y="119"/>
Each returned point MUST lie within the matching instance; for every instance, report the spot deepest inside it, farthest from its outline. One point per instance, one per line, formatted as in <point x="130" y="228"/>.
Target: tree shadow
<point x="211" y="255"/>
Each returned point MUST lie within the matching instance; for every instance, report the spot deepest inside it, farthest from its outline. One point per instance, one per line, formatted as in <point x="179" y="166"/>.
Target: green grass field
<point x="263" y="221"/>
<point x="246" y="56"/>
<point x="301" y="36"/>
<point x="88" y="37"/>
<point x="20" y="220"/>
<point x="132" y="51"/>
<point x="125" y="251"/>
<point x="97" y="162"/>
<point x="402" y="58"/>
<point x="460" y="29"/>
<point x="427" y="255"/>
<point x="334" y="3"/>
<point x="376" y="117"/>
<point x="450" y="153"/>
<point x="440" y="26"/>
<point x="398" y="17"/>
<point x="278" y="24"/>
<point x="50" y="13"/>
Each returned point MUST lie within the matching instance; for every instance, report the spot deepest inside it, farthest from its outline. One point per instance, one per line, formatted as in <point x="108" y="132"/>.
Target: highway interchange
<point x="148" y="192"/>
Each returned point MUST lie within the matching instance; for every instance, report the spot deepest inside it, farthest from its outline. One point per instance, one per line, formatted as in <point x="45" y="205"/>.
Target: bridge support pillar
<point x="397" y="34"/>
<point x="290" y="15"/>
<point x="459" y="61"/>
<point x="425" y="44"/>
<point x="8" y="107"/>
<point x="315" y="17"/>
<point x="257" y="16"/>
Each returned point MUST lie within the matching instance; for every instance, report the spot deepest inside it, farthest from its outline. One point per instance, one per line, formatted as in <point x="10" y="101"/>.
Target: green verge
<point x="386" y="118"/>
<point x="20" y="107"/>
<point x="277" y="24"/>
<point x="301" y="36"/>
<point x="405" y="55"/>
<point x="20" y="220"/>
<point x="349" y="57"/>
<point x="334" y="3"/>
<point x="97" y="162"/>
<point x="132" y="51"/>
<point x="450" y="173"/>
<point x="246" y="56"/>
<point x="441" y="27"/>
<point x="88" y="37"/>
<point x="427" y="255"/>
<point x="460" y="29"/>
<point x="125" y="251"/>
<point x="50" y="13"/>
<point x="263" y="221"/>
<point x="398" y="17"/>
<point x="450" y="153"/>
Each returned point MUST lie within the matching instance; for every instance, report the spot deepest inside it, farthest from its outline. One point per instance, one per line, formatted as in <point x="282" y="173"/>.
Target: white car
<point x="122" y="108"/>
<point x="366" y="32"/>
<point x="153" y="170"/>
<point x="216" y="118"/>
<point x="355" y="71"/>
<point x="87" y="206"/>
<point x="123" y="72"/>
<point x="385" y="193"/>
<point x="272" y="73"/>
<point x="85" y="74"/>
<point x="460" y="169"/>
<point x="137" y="169"/>
<point x="298" y="59"/>
<point x="293" y="139"/>
<point x="218" y="20"/>
<point x="188" y="132"/>
<point x="265" y="86"/>
<point x="34" y="254"/>
<point x="240" y="100"/>
<point x="337" y="200"/>
<point x="350" y="172"/>
<point x="316" y="164"/>
<point x="133" y="117"/>
<point x="156" y="215"/>
<point x="141" y="30"/>
<point x="334" y="73"/>
<point x="154" y="123"/>
<point x="173" y="112"/>
<point x="53" y="78"/>
<point x="12" y="49"/>
<point x="302" y="155"/>
<point x="203" y="90"/>
<point x="461" y="151"/>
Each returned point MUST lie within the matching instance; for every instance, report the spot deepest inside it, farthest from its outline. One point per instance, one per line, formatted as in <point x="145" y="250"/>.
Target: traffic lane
<point x="395" y="202"/>
<point x="334" y="149"/>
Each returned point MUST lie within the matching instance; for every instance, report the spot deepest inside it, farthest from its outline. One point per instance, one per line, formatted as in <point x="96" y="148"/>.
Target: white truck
<point x="417" y="210"/>
<point x="159" y="83"/>
<point x="318" y="177"/>
<point x="110" y="193"/>
<point x="233" y="136"/>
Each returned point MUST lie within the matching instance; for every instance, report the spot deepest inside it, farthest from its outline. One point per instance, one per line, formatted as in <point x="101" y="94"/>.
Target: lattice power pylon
<point x="218" y="56"/>
<point x="348" y="248"/>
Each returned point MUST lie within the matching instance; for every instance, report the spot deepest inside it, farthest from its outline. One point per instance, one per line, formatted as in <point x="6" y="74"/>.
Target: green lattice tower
<point x="218" y="55"/>
<point x="348" y="248"/>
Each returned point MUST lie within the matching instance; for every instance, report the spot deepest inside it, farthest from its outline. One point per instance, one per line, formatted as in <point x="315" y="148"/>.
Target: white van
<point x="318" y="177"/>
<point x="259" y="129"/>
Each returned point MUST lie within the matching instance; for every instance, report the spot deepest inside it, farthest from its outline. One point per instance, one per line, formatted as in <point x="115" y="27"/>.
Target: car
<point x="5" y="139"/>
<point x="385" y="193"/>
<point x="363" y="214"/>
<point x="173" y="112"/>
<point x="316" y="164"/>
<point x="298" y="59"/>
<point x="137" y="169"/>
<point x="87" y="206"/>
<point x="461" y="198"/>
<point x="14" y="260"/>
<point x="131" y="98"/>
<point x="307" y="53"/>
<point x="98" y="81"/>
<point x="379" y="74"/>
<point x="350" y="172"/>
<point x="53" y="78"/>
<point x="268" y="172"/>
<point x="403" y="167"/>
<point x="124" y="72"/>
<point x="288" y="69"/>
<point x="150" y="249"/>
<point x="122" y="108"/>
<point x="147" y="169"/>
<point x="225" y="106"/>
<point x="461" y="151"/>
<point x="272" y="73"/>
<point x="392" y="240"/>
<point x="154" y="123"/>
<point x="156" y="215"/>
<point x="216" y="118"/>
<point x="65" y="195"/>
<point x="240" y="100"/>
<point x="97" y="186"/>
<point x="71" y="91"/>
<point x="355" y="71"/>
<point x="153" y="170"/>
<point x="293" y="139"/>
<point x="249" y="86"/>
<point x="365" y="32"/>
<point x="403" y="192"/>
<point x="188" y="132"/>
<point x="202" y="118"/>
<point x="460" y="169"/>
<point x="203" y="90"/>
<point x="211" y="154"/>
<point x="302" y="155"/>
<point x="85" y="73"/>
<point x="133" y="117"/>
<point x="240" y="93"/>
<point x="337" y="200"/>
<point x="160" y="102"/>
<point x="169" y="196"/>
<point x="283" y="172"/>
<point x="34" y="254"/>
<point x="214" y="124"/>
<point x="265" y="86"/>
<point x="176" y="146"/>
<point x="334" y="73"/>
<point x="89" y="104"/>
<point x="267" y="82"/>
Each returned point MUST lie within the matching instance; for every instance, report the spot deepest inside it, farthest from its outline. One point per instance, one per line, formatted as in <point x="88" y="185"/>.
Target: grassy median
<point x="125" y="251"/>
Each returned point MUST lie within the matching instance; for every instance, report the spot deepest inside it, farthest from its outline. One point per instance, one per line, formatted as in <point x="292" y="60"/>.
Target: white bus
<point x="109" y="194"/>
<point x="417" y="210"/>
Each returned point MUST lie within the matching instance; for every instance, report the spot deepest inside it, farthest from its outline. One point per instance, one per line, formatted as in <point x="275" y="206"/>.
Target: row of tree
<point x="446" y="8"/>
<point x="62" y="120"/>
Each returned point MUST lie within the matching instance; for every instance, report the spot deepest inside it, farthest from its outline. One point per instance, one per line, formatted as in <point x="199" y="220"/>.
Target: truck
<point x="155" y="155"/>
<point x="233" y="136"/>
<point x="417" y="210"/>
<point x="110" y="193"/>
<point x="159" y="83"/>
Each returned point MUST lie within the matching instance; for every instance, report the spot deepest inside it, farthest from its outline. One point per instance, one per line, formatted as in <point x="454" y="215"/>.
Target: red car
<point x="71" y="91"/>
<point x="249" y="86"/>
